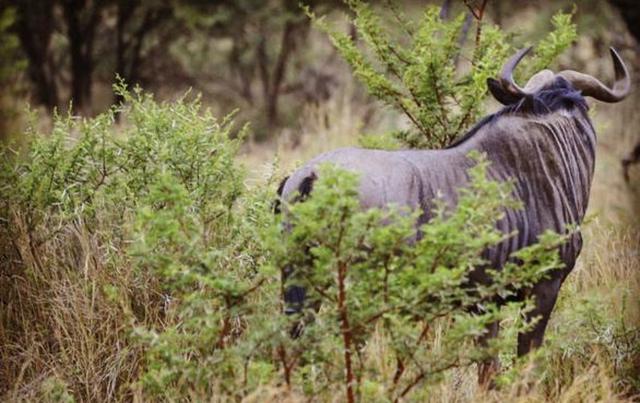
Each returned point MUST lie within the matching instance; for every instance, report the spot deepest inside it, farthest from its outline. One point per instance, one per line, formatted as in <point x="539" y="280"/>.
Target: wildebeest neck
<point x="550" y="158"/>
<point x="552" y="153"/>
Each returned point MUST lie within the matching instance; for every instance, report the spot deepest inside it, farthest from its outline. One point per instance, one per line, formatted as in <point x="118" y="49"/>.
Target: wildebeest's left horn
<point x="592" y="87"/>
<point x="506" y="75"/>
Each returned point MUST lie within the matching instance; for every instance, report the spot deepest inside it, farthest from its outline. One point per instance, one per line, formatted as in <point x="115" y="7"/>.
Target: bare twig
<point x="403" y="22"/>
<point x="463" y="34"/>
<point x="478" y="14"/>
<point x="421" y="375"/>
<point x="282" y="355"/>
<point x="346" y="331"/>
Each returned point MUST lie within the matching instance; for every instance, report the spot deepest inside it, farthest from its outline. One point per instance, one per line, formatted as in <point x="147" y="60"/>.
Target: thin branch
<point x="346" y="331"/>
<point x="443" y="119"/>
<point x="403" y="22"/>
<point x="463" y="35"/>
<point x="317" y="289"/>
<point x="478" y="14"/>
<point x="282" y="354"/>
<point x="412" y="118"/>
<point x="399" y="371"/>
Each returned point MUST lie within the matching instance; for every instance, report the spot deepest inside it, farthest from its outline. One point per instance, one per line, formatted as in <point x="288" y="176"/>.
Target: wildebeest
<point x="542" y="140"/>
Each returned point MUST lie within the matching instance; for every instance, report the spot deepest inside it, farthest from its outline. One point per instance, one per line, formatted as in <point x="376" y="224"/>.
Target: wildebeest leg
<point x="293" y="301"/>
<point x="488" y="368"/>
<point x="296" y="302"/>
<point x="545" y="294"/>
<point x="293" y="294"/>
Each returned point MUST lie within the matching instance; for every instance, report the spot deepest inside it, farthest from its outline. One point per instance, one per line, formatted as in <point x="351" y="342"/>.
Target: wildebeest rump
<point x="542" y="140"/>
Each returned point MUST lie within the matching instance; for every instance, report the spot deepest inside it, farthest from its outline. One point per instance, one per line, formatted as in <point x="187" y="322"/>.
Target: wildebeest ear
<point x="502" y="96"/>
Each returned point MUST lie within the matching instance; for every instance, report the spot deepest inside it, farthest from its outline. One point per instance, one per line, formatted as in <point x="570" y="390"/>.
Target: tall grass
<point x="59" y="331"/>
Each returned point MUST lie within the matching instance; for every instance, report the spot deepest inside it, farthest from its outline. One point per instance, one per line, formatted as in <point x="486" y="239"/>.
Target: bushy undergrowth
<point x="116" y="241"/>
<point x="136" y="264"/>
<point x="372" y="275"/>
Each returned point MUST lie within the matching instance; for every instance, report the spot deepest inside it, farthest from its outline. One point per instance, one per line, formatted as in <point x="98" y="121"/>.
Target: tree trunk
<point x="130" y="38"/>
<point x="287" y="46"/>
<point x="124" y="12"/>
<point x="34" y="29"/>
<point x="630" y="13"/>
<point x="80" y="33"/>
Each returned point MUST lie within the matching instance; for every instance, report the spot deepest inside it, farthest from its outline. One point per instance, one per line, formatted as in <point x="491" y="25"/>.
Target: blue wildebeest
<point x="542" y="140"/>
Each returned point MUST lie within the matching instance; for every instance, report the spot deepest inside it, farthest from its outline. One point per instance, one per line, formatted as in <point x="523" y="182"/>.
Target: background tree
<point x="11" y="64"/>
<point x="135" y="22"/>
<point x="132" y="266"/>
<point x="630" y="13"/>
<point x="264" y="37"/>
<point x="265" y="60"/>
<point x="35" y="26"/>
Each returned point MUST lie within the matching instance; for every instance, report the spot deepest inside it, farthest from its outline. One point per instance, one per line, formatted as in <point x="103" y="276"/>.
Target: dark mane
<point x="558" y="95"/>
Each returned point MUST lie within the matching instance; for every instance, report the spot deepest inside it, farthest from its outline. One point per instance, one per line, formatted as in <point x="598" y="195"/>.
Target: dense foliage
<point x="189" y="264"/>
<point x="372" y="276"/>
<point x="150" y="211"/>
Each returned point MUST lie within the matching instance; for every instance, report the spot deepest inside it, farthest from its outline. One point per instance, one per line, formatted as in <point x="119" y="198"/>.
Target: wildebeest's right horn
<point x="592" y="87"/>
<point x="506" y="75"/>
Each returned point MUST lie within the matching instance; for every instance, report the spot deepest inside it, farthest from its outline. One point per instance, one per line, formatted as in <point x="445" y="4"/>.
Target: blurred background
<point x="263" y="58"/>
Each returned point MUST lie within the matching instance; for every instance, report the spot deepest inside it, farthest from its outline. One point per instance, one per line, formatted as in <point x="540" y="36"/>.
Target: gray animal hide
<point x="550" y="159"/>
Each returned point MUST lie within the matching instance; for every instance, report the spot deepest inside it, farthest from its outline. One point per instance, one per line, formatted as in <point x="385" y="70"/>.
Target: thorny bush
<point x="373" y="278"/>
<point x="146" y="269"/>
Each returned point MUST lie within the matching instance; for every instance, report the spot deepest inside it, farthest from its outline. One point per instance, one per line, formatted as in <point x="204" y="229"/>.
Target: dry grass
<point x="59" y="330"/>
<point x="333" y="124"/>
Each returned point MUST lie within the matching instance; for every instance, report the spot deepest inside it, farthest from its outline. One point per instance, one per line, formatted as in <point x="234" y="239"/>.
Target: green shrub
<point x="372" y="278"/>
<point x="148" y="226"/>
<point x="141" y="267"/>
<point x="150" y="211"/>
<point x="417" y="70"/>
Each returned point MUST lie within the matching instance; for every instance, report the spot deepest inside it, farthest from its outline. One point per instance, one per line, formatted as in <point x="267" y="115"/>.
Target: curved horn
<point x="592" y="87"/>
<point x="506" y="75"/>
